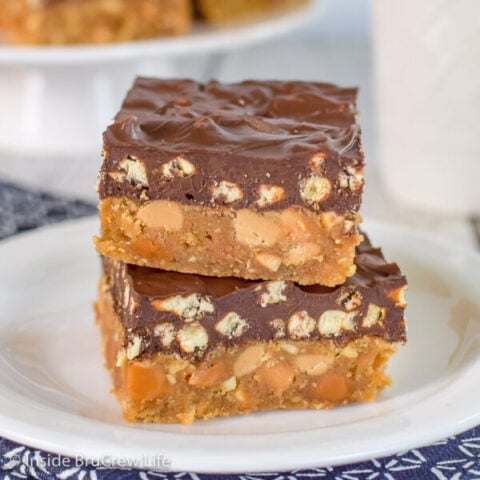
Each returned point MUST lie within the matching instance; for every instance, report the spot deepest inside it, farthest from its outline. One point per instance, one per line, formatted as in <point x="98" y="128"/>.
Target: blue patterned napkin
<point x="456" y="458"/>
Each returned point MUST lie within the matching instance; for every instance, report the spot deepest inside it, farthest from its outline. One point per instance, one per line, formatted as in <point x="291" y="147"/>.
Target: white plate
<point x="54" y="390"/>
<point x="202" y="38"/>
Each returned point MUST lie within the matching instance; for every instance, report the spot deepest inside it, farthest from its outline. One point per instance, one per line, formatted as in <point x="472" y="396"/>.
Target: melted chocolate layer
<point x="249" y="133"/>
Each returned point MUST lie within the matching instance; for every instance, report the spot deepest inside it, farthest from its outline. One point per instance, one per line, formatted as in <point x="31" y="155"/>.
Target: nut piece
<point x="133" y="170"/>
<point x="121" y="358"/>
<point x="375" y="314"/>
<point x="229" y="384"/>
<point x="313" y="364"/>
<point x="166" y="332"/>
<point x="192" y="337"/>
<point x="351" y="178"/>
<point x="300" y="325"/>
<point x="349" y="227"/>
<point x="178" y="167"/>
<point x="268" y="194"/>
<point x="329" y="220"/>
<point x="317" y="162"/>
<point x="226" y="192"/>
<point x="231" y="325"/>
<point x="134" y="347"/>
<point x="350" y="300"/>
<point x="398" y="296"/>
<point x="249" y="360"/>
<point x="255" y="229"/>
<point x="189" y="308"/>
<point x="161" y="214"/>
<point x="315" y="189"/>
<point x="278" y="326"/>
<point x="177" y="365"/>
<point x="288" y="347"/>
<point x="273" y="293"/>
<point x="302" y="253"/>
<point x="269" y="261"/>
<point x="334" y="322"/>
<point x="349" y="351"/>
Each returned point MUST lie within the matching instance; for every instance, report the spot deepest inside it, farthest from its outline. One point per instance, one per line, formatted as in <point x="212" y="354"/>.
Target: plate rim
<point x="19" y="431"/>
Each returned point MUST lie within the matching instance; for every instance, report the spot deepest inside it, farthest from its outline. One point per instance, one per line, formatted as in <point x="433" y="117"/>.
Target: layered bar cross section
<point x="258" y="180"/>
<point x="181" y="347"/>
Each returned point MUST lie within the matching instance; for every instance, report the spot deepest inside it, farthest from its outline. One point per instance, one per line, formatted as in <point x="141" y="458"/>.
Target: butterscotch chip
<point x="208" y="376"/>
<point x="255" y="229"/>
<point x="162" y="215"/>
<point x="208" y="188"/>
<point x="277" y="377"/>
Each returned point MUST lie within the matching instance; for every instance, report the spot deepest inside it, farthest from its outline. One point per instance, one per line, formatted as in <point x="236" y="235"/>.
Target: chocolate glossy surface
<point x="250" y="134"/>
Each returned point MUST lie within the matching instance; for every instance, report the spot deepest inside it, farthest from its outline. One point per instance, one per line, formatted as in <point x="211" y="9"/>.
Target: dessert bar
<point x="258" y="179"/>
<point x="232" y="10"/>
<point x="58" y="22"/>
<point x="181" y="347"/>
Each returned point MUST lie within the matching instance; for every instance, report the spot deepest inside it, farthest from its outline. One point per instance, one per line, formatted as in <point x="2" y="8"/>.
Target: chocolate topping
<point x="249" y="134"/>
<point x="135" y="290"/>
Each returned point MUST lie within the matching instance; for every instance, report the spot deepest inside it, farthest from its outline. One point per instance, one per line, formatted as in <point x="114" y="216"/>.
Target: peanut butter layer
<point x="58" y="22"/>
<point x="293" y="244"/>
<point x="238" y="379"/>
<point x="189" y="316"/>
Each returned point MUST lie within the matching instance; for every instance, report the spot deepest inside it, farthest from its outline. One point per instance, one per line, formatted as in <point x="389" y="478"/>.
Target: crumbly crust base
<point x="292" y="244"/>
<point x="233" y="381"/>
<point x="92" y="21"/>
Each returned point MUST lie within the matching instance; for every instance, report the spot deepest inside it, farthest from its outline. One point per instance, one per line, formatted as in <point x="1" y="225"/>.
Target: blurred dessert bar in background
<point x="58" y="22"/>
<point x="228" y="10"/>
<point x="63" y="22"/>
<point x="182" y="346"/>
<point x="259" y="179"/>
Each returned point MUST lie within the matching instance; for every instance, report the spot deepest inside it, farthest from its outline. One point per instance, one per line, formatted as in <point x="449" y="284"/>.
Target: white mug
<point x="427" y="62"/>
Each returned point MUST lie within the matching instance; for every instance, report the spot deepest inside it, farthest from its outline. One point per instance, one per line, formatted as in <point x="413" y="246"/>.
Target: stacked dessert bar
<point x="235" y="277"/>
